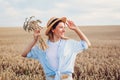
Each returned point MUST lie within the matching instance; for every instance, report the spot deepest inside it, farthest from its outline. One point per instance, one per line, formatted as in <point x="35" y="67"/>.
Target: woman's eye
<point x="62" y="27"/>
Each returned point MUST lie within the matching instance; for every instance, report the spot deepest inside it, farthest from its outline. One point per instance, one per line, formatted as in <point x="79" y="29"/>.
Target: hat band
<point x="52" y="21"/>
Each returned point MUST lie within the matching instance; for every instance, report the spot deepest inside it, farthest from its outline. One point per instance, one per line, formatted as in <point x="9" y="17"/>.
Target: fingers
<point x="36" y="31"/>
<point x="70" y="23"/>
<point x="36" y="34"/>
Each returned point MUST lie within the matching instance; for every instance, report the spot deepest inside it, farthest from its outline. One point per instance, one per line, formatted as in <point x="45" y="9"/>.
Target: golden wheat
<point x="100" y="62"/>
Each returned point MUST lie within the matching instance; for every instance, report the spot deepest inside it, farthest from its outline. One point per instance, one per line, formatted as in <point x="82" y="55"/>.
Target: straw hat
<point x="52" y="21"/>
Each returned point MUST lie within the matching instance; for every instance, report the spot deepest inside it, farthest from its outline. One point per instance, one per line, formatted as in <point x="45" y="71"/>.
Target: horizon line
<point x="77" y="25"/>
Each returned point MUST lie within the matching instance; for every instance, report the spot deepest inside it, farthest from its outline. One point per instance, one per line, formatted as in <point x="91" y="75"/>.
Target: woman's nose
<point x="63" y="29"/>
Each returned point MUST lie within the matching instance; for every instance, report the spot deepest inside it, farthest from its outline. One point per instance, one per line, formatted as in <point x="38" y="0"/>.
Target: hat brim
<point x="63" y="19"/>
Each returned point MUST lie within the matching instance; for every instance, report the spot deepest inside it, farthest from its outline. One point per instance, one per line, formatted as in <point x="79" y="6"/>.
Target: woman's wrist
<point x="76" y="29"/>
<point x="80" y="33"/>
<point x="34" y="40"/>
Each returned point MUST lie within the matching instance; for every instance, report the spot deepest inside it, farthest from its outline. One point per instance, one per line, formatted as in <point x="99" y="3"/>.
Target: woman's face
<point x="59" y="31"/>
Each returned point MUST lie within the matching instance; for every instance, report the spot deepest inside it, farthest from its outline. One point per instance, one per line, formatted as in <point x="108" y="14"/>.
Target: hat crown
<point x="51" y="20"/>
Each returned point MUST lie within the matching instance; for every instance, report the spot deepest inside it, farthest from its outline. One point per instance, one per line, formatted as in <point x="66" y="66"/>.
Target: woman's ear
<point x="53" y="30"/>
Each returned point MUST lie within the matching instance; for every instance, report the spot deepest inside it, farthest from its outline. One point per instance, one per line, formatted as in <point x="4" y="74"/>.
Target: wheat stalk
<point x="32" y="25"/>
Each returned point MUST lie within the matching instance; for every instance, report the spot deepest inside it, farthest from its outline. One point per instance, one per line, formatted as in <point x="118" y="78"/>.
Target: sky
<point x="82" y="12"/>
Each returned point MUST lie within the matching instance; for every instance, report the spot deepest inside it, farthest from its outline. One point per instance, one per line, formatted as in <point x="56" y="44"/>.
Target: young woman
<point x="58" y="59"/>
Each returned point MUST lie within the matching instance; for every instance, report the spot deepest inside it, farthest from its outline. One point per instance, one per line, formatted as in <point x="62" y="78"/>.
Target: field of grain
<point x="100" y="62"/>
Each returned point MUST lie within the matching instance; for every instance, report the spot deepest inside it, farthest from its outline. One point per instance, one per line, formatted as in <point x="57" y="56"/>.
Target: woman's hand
<point x="71" y="25"/>
<point x="36" y="34"/>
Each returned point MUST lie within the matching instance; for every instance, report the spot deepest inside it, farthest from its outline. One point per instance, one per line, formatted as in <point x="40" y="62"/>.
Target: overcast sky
<point x="82" y="12"/>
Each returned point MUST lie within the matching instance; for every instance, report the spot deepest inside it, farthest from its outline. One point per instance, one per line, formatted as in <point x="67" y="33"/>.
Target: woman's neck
<point x="55" y="39"/>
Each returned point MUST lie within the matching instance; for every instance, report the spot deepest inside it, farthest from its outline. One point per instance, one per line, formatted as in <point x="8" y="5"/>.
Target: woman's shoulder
<point x="69" y="41"/>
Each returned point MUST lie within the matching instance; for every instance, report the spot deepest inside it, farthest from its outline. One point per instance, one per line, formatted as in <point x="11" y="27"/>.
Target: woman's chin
<point x="62" y="36"/>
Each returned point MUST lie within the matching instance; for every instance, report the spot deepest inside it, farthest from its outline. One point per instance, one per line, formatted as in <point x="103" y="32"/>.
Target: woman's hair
<point x="50" y="34"/>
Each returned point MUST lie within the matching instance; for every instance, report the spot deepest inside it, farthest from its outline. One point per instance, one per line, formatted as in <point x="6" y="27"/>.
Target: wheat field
<point x="100" y="62"/>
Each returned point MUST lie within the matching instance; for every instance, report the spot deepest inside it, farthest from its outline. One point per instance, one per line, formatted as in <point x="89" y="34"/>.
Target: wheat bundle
<point x="32" y="25"/>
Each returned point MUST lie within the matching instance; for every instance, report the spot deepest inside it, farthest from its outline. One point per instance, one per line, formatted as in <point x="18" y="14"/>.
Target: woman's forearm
<point x="28" y="48"/>
<point x="82" y="36"/>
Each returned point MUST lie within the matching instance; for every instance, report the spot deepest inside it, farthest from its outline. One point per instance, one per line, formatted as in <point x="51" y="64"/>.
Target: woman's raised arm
<point x="34" y="41"/>
<point x="82" y="36"/>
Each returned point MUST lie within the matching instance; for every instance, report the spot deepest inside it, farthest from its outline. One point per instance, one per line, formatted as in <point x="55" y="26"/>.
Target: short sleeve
<point x="34" y="53"/>
<point x="78" y="46"/>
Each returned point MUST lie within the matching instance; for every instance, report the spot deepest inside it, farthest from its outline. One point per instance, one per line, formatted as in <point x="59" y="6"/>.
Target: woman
<point x="58" y="59"/>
